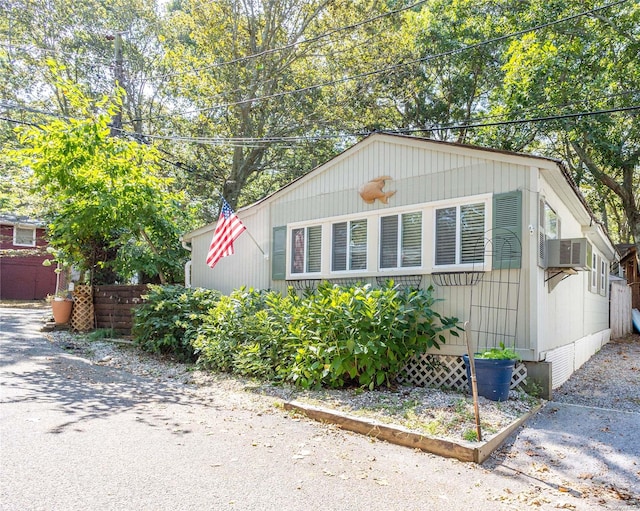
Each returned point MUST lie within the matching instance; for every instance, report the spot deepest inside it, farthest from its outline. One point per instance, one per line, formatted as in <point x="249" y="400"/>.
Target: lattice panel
<point x="446" y="371"/>
<point x="82" y="316"/>
<point x="519" y="374"/>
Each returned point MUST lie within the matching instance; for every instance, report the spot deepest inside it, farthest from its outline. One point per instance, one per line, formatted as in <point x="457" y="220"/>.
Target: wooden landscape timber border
<point x="465" y="451"/>
<point x="114" y="305"/>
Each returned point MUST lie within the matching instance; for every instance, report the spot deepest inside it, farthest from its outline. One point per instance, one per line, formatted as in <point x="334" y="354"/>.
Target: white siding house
<point x="436" y="204"/>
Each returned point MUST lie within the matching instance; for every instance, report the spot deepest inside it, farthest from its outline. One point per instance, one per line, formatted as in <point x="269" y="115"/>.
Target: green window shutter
<point x="507" y="230"/>
<point x="279" y="253"/>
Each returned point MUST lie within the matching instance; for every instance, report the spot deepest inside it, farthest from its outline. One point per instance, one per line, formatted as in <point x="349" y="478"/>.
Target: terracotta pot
<point x="61" y="310"/>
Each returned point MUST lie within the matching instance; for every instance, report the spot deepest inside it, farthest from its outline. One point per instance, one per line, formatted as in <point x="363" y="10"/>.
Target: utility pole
<point x="116" y="121"/>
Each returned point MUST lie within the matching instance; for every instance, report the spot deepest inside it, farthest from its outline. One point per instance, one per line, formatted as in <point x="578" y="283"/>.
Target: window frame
<point x="554" y="234"/>
<point x="24" y="227"/>
<point x="486" y="262"/>
<point x="305" y="251"/>
<point x="373" y="221"/>
<point x="545" y="233"/>
<point x="593" y="274"/>
<point x="603" y="276"/>
<point x="348" y="248"/>
<point x="399" y="242"/>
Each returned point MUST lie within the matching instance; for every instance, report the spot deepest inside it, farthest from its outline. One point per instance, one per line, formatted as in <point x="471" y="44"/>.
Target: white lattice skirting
<point x="446" y="371"/>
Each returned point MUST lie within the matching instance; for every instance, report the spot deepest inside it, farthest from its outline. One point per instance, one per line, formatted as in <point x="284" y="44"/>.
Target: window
<point x="594" y="273"/>
<point x="349" y="246"/>
<point x="460" y="234"/>
<point x="401" y="241"/>
<point x="551" y="223"/>
<point x="306" y="247"/>
<point x="24" y="236"/>
<point x="603" y="277"/>
<point x="548" y="228"/>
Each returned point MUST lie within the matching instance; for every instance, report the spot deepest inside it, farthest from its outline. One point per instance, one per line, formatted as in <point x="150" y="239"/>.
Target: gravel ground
<point x="437" y="413"/>
<point x="609" y="379"/>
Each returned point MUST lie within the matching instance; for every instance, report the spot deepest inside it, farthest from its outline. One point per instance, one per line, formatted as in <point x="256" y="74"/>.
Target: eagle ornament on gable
<point x="373" y="190"/>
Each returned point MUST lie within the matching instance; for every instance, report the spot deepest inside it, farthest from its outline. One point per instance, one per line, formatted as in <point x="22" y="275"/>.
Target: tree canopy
<point x="109" y="212"/>
<point x="239" y="97"/>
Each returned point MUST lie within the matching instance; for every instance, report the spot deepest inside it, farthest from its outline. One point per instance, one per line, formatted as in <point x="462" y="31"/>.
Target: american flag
<point x="228" y="228"/>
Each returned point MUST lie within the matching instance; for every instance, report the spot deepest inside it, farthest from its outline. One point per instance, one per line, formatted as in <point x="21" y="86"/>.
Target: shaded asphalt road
<point x="77" y="436"/>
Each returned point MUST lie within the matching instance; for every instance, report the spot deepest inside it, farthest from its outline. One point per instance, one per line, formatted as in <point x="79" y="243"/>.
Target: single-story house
<point x="22" y="252"/>
<point x="416" y="210"/>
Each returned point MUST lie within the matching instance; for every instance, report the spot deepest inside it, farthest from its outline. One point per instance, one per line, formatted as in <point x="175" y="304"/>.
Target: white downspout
<point x="187" y="266"/>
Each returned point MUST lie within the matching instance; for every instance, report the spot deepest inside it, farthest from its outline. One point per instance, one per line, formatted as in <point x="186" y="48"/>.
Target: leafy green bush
<point x="334" y="337"/>
<point x="361" y="335"/>
<point x="169" y="319"/>
<point x="245" y="333"/>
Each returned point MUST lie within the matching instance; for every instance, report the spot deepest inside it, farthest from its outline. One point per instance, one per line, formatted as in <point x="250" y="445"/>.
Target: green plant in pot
<point x="501" y="353"/>
<point x="494" y="368"/>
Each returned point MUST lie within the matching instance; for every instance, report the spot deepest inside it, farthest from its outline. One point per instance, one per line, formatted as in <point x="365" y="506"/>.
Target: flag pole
<point x="246" y="230"/>
<point x="254" y="240"/>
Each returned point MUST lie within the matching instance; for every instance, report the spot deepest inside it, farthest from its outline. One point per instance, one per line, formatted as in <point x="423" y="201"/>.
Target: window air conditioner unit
<point x="569" y="253"/>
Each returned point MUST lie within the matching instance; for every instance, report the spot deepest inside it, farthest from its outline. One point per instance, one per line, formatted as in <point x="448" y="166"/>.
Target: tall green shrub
<point x="246" y="333"/>
<point x="334" y="337"/>
<point x="169" y="319"/>
<point x="361" y="335"/>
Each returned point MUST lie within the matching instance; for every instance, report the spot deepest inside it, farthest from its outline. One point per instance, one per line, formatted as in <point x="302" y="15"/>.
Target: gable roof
<point x="409" y="140"/>
<point x="21" y="221"/>
<point x="554" y="170"/>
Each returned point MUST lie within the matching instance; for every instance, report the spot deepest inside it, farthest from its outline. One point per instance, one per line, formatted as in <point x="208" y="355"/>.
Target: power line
<point x="16" y="106"/>
<point x="16" y="121"/>
<point x="517" y="121"/>
<point x="394" y="66"/>
<point x="27" y="47"/>
<point x="248" y="141"/>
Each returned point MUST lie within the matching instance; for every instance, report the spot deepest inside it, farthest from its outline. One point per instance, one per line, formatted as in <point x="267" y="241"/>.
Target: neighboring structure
<point x="22" y="252"/>
<point x="414" y="210"/>
<point x="630" y="265"/>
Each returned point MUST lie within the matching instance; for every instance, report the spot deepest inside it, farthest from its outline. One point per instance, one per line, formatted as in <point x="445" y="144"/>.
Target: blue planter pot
<point x="493" y="377"/>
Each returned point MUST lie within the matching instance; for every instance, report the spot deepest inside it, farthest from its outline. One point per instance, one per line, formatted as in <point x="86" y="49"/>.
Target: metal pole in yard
<point x="474" y="382"/>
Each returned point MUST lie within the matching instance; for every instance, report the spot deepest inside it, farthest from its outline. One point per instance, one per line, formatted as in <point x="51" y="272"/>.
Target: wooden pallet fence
<point x="114" y="305"/>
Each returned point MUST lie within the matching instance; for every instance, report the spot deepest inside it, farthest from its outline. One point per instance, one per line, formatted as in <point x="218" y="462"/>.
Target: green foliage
<point x="532" y="388"/>
<point x="470" y="435"/>
<point x="501" y="353"/>
<point x="104" y="193"/>
<point x="335" y="337"/>
<point x="168" y="319"/>
<point x="102" y="333"/>
<point x="246" y="333"/>
<point x="438" y="64"/>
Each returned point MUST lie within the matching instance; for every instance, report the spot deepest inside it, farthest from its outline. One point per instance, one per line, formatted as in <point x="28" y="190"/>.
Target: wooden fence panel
<point x="114" y="305"/>
<point x="635" y="294"/>
<point x="620" y="309"/>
